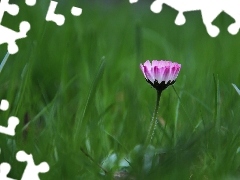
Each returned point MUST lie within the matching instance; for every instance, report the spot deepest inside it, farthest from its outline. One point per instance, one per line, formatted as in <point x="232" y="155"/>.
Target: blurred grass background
<point x="81" y="97"/>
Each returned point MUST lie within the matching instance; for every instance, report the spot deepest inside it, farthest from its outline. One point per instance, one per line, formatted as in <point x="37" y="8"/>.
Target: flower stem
<point x="154" y="120"/>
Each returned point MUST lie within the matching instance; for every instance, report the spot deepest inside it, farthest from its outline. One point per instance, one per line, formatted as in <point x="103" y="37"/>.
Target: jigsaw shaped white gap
<point x="76" y="11"/>
<point x="9" y="36"/>
<point x="10" y="130"/>
<point x="133" y="1"/>
<point x="156" y="6"/>
<point x="51" y="16"/>
<point x="180" y="19"/>
<point x="4" y="170"/>
<point x="31" y="171"/>
<point x="12" y="9"/>
<point x="232" y="9"/>
<point x="30" y="2"/>
<point x="209" y="10"/>
<point x="4" y="105"/>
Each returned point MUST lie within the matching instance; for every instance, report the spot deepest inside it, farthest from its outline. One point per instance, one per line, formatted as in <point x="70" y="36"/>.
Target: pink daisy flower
<point x="160" y="74"/>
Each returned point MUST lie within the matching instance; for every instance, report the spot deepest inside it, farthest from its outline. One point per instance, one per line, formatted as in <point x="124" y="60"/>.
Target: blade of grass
<point x="177" y="111"/>
<point x="217" y="103"/>
<point x="138" y="40"/>
<point x="23" y="87"/>
<point x="50" y="103"/>
<point x="236" y="88"/>
<point x="89" y="98"/>
<point x="216" y="119"/>
<point x="198" y="101"/>
<point x="91" y="158"/>
<point x="105" y="112"/>
<point x="4" y="61"/>
<point x="184" y="109"/>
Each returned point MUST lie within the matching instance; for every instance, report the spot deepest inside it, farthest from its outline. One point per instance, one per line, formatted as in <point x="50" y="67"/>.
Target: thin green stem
<point x="154" y="121"/>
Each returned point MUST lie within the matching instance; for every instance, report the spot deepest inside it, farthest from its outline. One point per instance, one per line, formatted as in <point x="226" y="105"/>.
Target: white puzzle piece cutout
<point x="12" y="121"/>
<point x="209" y="10"/>
<point x="4" y="170"/>
<point x="75" y="11"/>
<point x="133" y="1"/>
<point x="8" y="35"/>
<point x="11" y="9"/>
<point x="30" y="2"/>
<point x="4" y="105"/>
<point x="10" y="129"/>
<point x="51" y="16"/>
<point x="31" y="171"/>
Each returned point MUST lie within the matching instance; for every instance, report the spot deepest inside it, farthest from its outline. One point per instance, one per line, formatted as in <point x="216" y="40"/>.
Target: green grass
<point x="81" y="97"/>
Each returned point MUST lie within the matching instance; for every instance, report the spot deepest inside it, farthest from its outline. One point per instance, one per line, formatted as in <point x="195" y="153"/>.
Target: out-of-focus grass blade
<point x="59" y="93"/>
<point x="177" y="110"/>
<point x="90" y="97"/>
<point x="4" y="61"/>
<point x="217" y="101"/>
<point x="217" y="119"/>
<point x="138" y="41"/>
<point x="236" y="88"/>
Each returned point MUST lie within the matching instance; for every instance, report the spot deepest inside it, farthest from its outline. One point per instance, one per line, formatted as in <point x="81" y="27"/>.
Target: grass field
<point x="85" y="107"/>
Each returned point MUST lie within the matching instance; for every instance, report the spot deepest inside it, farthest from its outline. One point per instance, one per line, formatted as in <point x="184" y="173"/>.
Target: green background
<point x="81" y="97"/>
